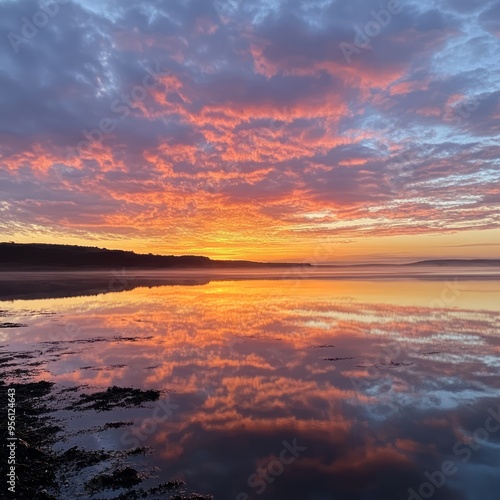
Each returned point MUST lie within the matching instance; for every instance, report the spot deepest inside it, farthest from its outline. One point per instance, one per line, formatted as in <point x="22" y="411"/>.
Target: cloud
<point x="252" y="109"/>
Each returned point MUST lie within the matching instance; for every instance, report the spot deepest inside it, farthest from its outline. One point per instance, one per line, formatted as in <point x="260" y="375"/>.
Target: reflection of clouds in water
<point x="206" y="325"/>
<point x="250" y="367"/>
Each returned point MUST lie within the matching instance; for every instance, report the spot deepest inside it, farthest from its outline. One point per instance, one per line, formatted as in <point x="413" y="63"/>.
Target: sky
<point x="297" y="130"/>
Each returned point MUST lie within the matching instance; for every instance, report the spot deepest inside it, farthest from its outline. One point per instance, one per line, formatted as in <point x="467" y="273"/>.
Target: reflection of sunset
<point x="320" y="359"/>
<point x="281" y="216"/>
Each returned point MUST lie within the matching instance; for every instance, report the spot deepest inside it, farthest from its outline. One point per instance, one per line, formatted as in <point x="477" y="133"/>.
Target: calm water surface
<point x="315" y="389"/>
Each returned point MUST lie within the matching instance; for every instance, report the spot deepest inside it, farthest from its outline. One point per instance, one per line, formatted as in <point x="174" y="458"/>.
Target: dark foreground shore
<point x="37" y="458"/>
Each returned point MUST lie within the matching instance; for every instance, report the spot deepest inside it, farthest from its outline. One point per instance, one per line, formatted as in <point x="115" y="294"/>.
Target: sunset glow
<point x="369" y="376"/>
<point x="286" y="130"/>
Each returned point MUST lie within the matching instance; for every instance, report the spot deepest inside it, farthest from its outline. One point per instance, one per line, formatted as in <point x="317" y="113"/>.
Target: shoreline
<point x="46" y="284"/>
<point x="48" y="463"/>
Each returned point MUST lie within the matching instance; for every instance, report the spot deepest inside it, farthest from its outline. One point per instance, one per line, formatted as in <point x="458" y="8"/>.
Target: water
<point x="290" y="389"/>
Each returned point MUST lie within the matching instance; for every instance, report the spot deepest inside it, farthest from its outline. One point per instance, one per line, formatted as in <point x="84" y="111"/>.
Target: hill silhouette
<point x="34" y="255"/>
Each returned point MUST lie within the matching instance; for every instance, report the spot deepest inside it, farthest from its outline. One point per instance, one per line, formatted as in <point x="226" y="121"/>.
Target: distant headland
<point x="43" y="256"/>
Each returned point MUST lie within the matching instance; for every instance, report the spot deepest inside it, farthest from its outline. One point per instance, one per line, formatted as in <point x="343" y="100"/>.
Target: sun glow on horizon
<point x="250" y="133"/>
